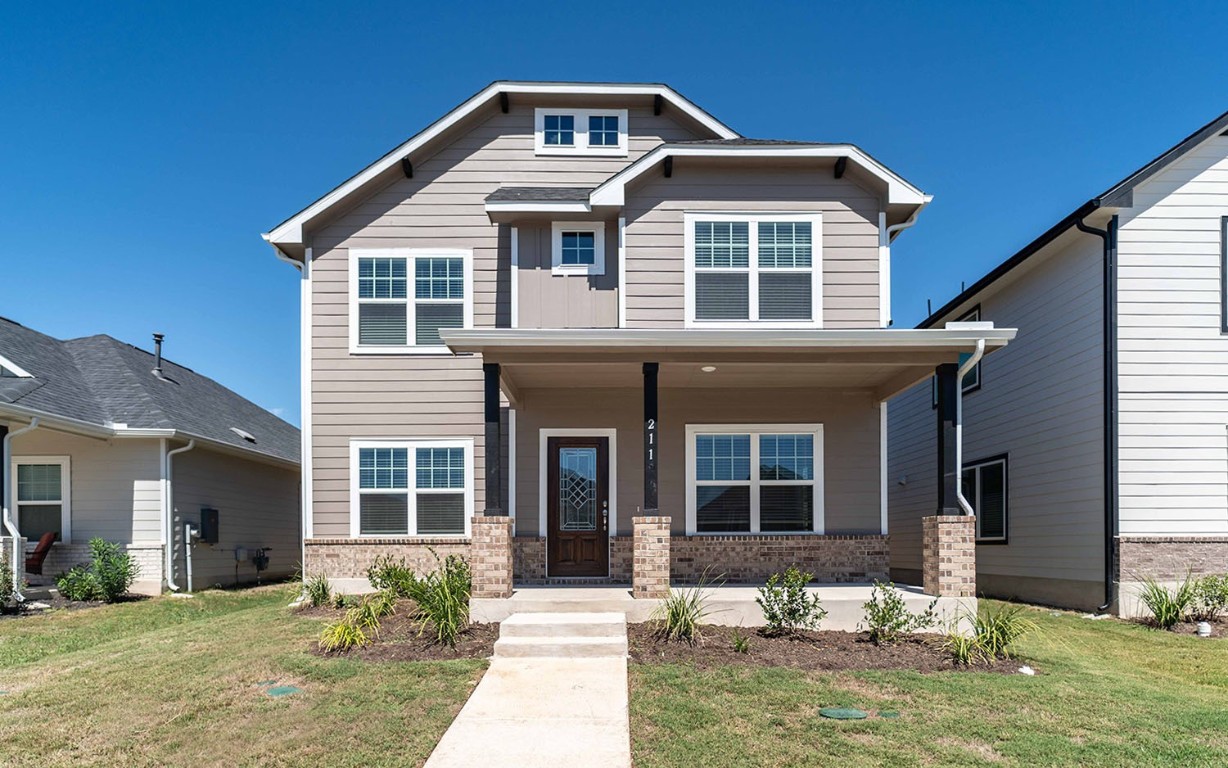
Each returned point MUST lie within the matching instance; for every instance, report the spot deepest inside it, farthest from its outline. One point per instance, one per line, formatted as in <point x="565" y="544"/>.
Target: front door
<point x="578" y="506"/>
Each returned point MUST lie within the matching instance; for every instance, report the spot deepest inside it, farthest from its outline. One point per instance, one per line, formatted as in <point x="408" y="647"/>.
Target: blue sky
<point x="143" y="148"/>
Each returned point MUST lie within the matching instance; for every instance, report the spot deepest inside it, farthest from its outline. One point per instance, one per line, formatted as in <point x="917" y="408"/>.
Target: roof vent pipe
<point x="158" y="337"/>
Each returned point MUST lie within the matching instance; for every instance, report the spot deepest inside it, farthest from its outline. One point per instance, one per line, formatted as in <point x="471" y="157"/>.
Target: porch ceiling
<point x="882" y="361"/>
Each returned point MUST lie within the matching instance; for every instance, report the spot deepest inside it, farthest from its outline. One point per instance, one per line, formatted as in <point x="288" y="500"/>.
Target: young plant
<point x="787" y="608"/>
<point x="681" y="614"/>
<point x="342" y="636"/>
<point x="388" y="574"/>
<point x="341" y="601"/>
<point x="8" y="590"/>
<point x="442" y="598"/>
<point x="996" y="628"/>
<point x="741" y="641"/>
<point x="318" y="591"/>
<point x="1211" y="597"/>
<point x="964" y="649"/>
<point x="1168" y="607"/>
<point x="114" y="569"/>
<point x="78" y="584"/>
<point x="888" y="618"/>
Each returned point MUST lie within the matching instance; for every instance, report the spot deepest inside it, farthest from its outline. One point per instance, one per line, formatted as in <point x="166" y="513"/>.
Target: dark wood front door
<point x="578" y="506"/>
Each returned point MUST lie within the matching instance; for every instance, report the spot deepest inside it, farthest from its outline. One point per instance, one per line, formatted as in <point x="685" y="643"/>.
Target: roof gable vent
<point x="248" y="436"/>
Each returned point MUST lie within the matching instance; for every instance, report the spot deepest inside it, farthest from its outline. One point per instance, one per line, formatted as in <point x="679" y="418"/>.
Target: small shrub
<point x="340" y="601"/>
<point x="681" y="614"/>
<point x="388" y="574"/>
<point x="79" y="584"/>
<point x="787" y="608"/>
<point x="741" y="641"/>
<point x="114" y="568"/>
<point x="8" y="590"/>
<point x="442" y="598"/>
<point x="964" y="649"/>
<point x="1168" y="607"/>
<point x="995" y="628"/>
<point x="342" y="636"/>
<point x="887" y="617"/>
<point x="1211" y="597"/>
<point x="318" y="591"/>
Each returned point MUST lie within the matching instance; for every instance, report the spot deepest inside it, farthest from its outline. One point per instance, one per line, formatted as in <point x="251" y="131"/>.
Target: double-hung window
<point x="755" y="479"/>
<point x="402" y="298"/>
<point x="41" y="496"/>
<point x="411" y="488"/>
<point x="984" y="487"/>
<point x="754" y="269"/>
<point x="572" y="131"/>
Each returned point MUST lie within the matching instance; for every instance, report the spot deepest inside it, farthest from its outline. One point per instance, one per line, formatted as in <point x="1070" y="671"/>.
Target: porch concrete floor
<point x="730" y="605"/>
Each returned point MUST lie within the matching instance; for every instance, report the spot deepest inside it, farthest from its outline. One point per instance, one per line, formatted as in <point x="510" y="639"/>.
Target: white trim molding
<point x="16" y="369"/>
<point x="622" y="272"/>
<point x="755" y="483"/>
<point x="410" y="255"/>
<point x="514" y="311"/>
<point x="558" y="229"/>
<point x="580" y="132"/>
<point x="411" y="490"/>
<point x="544" y="435"/>
<point x="305" y="405"/>
<point x="753" y="270"/>
<point x="65" y="501"/>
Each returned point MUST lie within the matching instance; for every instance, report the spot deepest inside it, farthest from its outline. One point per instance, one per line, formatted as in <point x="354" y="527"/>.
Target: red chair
<point x="34" y="560"/>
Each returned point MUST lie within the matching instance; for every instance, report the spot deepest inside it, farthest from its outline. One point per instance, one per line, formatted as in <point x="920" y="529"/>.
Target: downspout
<point x="1109" y="237"/>
<point x="19" y="561"/>
<point x="964" y="368"/>
<point x="168" y="519"/>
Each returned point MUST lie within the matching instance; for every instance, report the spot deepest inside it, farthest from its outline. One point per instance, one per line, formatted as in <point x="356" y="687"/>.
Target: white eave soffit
<point x="290" y="232"/>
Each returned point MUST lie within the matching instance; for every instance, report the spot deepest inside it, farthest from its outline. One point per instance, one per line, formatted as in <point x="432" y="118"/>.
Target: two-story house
<point x="1097" y="447"/>
<point x="563" y="308"/>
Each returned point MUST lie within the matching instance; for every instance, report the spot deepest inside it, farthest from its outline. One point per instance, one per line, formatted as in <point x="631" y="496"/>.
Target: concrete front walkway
<point x="542" y="712"/>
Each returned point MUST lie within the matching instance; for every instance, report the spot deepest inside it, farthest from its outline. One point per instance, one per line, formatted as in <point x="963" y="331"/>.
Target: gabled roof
<point x="101" y="382"/>
<point x="290" y="232"/>
<point x="1118" y="196"/>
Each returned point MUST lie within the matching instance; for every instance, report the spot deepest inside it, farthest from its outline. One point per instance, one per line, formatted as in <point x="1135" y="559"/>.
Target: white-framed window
<point x="984" y="486"/>
<point x="761" y="269"/>
<point x="41" y="496"/>
<point x="754" y="478"/>
<point x="401" y="298"/>
<point x="577" y="248"/>
<point x="567" y="131"/>
<point x="411" y="487"/>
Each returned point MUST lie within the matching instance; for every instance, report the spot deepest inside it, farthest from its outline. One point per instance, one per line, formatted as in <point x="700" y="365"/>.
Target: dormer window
<point x="559" y="131"/>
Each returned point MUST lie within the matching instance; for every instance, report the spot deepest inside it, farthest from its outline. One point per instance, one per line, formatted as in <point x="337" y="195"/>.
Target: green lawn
<point x="177" y="682"/>
<point x="1110" y="694"/>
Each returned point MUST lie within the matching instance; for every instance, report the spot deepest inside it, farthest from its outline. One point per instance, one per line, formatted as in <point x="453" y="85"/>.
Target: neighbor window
<point x="414" y="488"/>
<point x="1223" y="273"/>
<point x="972" y="379"/>
<point x="565" y="131"/>
<point x="984" y="487"/>
<point x="404" y="298"/>
<point x="754" y="480"/>
<point x="578" y="248"/>
<point x="41" y="485"/>
<point x="754" y="269"/>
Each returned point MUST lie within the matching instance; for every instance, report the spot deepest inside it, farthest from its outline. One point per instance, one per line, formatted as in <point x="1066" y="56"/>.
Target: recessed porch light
<point x="708" y="368"/>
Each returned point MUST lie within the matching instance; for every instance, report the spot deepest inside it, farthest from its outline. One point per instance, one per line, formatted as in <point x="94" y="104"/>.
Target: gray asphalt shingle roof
<point x="103" y="381"/>
<point x="539" y="194"/>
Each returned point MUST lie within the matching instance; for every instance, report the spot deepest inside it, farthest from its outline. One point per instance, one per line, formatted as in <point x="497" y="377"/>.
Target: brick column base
<point x="491" y="557"/>
<point x="948" y="555"/>
<point x="650" y="557"/>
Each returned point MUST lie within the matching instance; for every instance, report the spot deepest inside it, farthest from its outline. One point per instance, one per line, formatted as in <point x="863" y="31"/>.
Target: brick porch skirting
<point x="752" y="559"/>
<point x="1170" y="558"/>
<point x="350" y="558"/>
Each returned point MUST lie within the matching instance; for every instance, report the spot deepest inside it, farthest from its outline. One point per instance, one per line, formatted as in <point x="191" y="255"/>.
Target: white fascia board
<point x="899" y="191"/>
<point x="291" y="230"/>
<point x="521" y="206"/>
<point x="22" y="373"/>
<point x="471" y="340"/>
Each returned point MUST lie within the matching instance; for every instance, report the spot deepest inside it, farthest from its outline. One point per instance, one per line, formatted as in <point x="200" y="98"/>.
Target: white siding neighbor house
<point x="1097" y="444"/>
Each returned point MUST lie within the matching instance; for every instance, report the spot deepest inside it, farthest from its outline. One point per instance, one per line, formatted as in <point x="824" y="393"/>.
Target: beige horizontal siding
<point x="564" y="301"/>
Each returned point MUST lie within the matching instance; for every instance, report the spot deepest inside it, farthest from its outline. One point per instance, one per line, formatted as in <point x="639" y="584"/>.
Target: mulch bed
<point x="399" y="640"/>
<point x="1219" y="628"/>
<point x="805" y="650"/>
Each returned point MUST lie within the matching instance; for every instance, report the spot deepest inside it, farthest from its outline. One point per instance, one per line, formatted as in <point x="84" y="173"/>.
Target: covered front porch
<point x="654" y="457"/>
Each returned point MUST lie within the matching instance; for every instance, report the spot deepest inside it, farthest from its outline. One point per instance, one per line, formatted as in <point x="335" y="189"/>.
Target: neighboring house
<point x="130" y="447"/>
<point x="1096" y="446"/>
<point x="582" y="305"/>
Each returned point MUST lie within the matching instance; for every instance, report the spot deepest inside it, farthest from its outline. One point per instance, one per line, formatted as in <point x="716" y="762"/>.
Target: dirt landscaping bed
<point x="805" y="650"/>
<point x="58" y="603"/>
<point x="399" y="640"/>
<point x="1219" y="628"/>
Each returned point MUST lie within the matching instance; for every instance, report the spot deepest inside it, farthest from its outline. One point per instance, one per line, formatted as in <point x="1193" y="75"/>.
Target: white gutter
<point x="168" y="513"/>
<point x="18" y="564"/>
<point x="967" y="366"/>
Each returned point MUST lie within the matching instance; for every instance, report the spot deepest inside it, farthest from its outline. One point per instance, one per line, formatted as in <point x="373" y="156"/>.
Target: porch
<point x="650" y="457"/>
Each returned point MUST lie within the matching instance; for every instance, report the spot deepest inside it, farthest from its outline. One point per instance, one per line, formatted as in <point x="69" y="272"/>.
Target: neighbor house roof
<point x="289" y="233"/>
<point x="111" y="386"/>
<point x="1120" y="195"/>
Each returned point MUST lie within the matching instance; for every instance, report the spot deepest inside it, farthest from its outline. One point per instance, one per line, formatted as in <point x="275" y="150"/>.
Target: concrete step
<point x="561" y="625"/>
<point x="561" y="647"/>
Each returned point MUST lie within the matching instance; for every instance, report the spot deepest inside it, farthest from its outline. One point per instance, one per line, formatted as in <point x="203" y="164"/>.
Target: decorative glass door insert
<point x="578" y="489"/>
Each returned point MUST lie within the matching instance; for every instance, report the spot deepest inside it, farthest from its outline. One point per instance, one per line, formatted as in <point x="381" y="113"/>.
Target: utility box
<point x="208" y="525"/>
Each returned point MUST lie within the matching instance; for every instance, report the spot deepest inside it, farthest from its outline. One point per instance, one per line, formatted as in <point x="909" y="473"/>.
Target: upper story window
<point x="754" y="269"/>
<point x="578" y="248"/>
<point x="402" y="298"/>
<point x="566" y="131"/>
